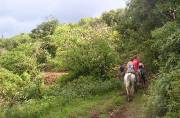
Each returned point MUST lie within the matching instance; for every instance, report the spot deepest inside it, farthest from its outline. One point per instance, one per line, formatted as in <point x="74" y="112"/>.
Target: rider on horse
<point x="136" y="67"/>
<point x="130" y="79"/>
<point x="133" y="67"/>
<point x="130" y="67"/>
<point x="142" y="74"/>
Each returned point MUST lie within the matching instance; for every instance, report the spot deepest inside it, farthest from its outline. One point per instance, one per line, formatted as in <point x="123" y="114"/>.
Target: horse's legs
<point x="132" y="89"/>
<point x="123" y="88"/>
<point x="128" y="93"/>
<point x="135" y="86"/>
<point x="143" y="84"/>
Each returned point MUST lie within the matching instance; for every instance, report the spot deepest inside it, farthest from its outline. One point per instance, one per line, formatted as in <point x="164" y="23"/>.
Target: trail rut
<point x="133" y="109"/>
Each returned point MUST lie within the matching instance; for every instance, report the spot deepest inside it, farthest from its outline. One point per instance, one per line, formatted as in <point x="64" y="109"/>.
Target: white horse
<point x="129" y="82"/>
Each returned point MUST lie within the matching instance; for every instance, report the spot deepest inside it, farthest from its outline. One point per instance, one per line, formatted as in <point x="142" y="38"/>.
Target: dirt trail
<point x="50" y="77"/>
<point x="133" y="109"/>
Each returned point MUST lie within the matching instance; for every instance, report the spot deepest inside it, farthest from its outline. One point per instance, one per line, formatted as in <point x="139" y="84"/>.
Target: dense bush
<point x="84" y="86"/>
<point x="165" y="90"/>
<point x="92" y="58"/>
<point x="37" y="52"/>
<point x="85" y="49"/>
<point x="15" y="41"/>
<point x="164" y="98"/>
<point x="166" y="44"/>
<point x="18" y="62"/>
<point x="15" y="88"/>
<point x="11" y="86"/>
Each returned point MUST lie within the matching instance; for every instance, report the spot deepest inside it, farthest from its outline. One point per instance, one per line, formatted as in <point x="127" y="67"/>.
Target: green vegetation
<point x="59" y="98"/>
<point x="89" y="50"/>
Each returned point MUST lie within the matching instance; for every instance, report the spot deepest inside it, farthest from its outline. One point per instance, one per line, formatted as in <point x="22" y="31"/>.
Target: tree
<point x="112" y="17"/>
<point x="44" y="29"/>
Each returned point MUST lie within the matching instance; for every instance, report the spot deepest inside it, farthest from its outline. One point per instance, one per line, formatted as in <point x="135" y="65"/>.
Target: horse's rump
<point x="129" y="78"/>
<point x="129" y="81"/>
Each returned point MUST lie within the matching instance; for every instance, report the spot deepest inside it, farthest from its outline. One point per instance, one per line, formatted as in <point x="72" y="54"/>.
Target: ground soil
<point x="51" y="77"/>
<point x="133" y="109"/>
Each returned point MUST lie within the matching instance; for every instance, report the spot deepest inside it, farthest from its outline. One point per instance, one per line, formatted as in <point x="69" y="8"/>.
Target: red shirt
<point x="136" y="64"/>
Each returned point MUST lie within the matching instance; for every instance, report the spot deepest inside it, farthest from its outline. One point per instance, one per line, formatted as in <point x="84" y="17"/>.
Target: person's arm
<point x="127" y="66"/>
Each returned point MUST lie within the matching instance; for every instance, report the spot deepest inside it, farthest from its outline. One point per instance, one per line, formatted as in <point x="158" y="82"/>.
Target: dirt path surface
<point x="50" y="77"/>
<point x="133" y="109"/>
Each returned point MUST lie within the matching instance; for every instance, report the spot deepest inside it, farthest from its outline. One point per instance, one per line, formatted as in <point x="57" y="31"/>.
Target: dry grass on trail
<point x="50" y="77"/>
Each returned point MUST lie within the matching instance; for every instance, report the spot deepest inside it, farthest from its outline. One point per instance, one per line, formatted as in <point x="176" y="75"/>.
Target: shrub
<point x="164" y="97"/>
<point x="37" y="52"/>
<point x="15" y="41"/>
<point x="10" y="86"/>
<point x="95" y="57"/>
<point x="84" y="86"/>
<point x="15" y="88"/>
<point x="18" y="62"/>
<point x="164" y="93"/>
<point x="166" y="44"/>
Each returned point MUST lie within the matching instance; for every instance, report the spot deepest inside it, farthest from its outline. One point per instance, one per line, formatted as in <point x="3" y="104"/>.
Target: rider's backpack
<point x="130" y="67"/>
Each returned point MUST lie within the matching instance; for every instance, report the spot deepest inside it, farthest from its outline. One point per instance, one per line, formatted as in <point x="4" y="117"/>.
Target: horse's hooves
<point x="130" y="99"/>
